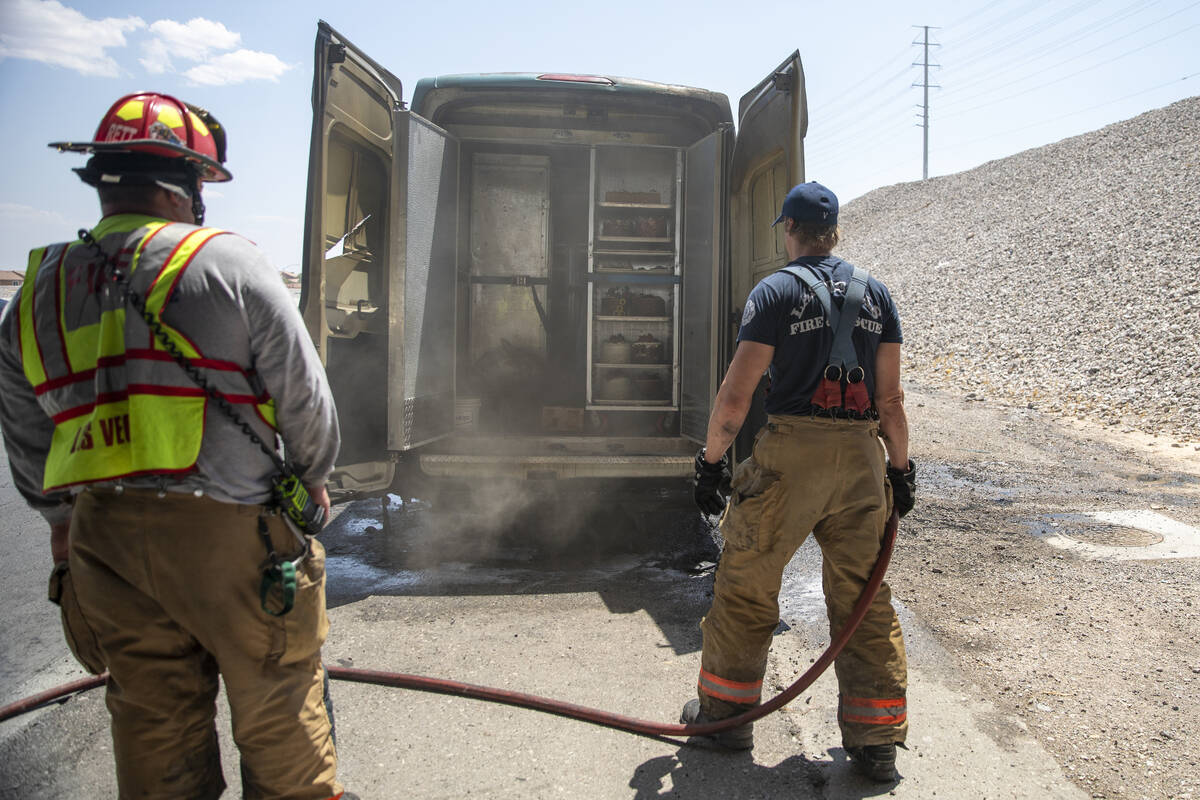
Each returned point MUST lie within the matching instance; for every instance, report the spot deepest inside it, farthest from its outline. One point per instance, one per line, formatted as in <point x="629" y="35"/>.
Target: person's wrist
<point x="703" y="465"/>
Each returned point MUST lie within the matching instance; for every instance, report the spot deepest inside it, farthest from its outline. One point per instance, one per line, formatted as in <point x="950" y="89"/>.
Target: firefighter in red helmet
<point x="152" y="375"/>
<point x="154" y="139"/>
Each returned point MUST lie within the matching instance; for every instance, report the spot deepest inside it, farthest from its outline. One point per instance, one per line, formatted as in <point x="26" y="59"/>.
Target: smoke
<point x="515" y="522"/>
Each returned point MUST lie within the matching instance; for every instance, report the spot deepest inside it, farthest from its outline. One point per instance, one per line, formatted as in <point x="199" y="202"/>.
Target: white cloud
<point x="49" y="32"/>
<point x="237" y="67"/>
<point x="194" y="40"/>
<point x="17" y="213"/>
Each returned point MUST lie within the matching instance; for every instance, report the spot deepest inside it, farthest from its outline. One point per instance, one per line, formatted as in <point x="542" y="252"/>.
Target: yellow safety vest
<point x="121" y="404"/>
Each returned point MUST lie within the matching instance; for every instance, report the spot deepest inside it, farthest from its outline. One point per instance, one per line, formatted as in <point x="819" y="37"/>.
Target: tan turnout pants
<point x="826" y="476"/>
<point x="170" y="588"/>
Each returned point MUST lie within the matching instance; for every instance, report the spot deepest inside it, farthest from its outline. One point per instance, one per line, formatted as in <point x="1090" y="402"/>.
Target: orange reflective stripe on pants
<point x="734" y="691"/>
<point x="870" y="711"/>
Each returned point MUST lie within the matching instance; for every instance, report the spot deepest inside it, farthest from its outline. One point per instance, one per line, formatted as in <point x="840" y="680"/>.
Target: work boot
<point x="876" y="761"/>
<point x="740" y="738"/>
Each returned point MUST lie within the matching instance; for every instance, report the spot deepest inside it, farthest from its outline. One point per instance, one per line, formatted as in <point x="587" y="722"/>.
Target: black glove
<point x="710" y="480"/>
<point x="904" y="486"/>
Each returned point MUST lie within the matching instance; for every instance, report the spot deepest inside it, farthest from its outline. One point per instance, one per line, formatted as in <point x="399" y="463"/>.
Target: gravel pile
<point x="1065" y="278"/>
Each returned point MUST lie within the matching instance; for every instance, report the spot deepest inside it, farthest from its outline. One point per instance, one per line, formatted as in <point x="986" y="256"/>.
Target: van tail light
<point x="552" y="76"/>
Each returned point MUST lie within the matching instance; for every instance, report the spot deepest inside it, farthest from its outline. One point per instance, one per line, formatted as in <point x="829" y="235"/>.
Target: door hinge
<point x="784" y="81"/>
<point x="336" y="54"/>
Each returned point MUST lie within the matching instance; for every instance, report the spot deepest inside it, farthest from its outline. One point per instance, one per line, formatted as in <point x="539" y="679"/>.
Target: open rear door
<point x="380" y="243"/>
<point x="768" y="159"/>
<point x="705" y="279"/>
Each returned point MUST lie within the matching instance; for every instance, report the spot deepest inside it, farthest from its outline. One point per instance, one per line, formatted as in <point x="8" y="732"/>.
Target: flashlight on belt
<point x="298" y="506"/>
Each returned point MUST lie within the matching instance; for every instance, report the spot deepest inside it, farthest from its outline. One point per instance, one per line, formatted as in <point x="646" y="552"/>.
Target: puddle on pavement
<point x="421" y="549"/>
<point x="1163" y="479"/>
<point x="942" y="480"/>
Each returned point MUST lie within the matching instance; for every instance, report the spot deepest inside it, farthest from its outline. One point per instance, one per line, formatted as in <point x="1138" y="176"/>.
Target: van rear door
<point x="767" y="160"/>
<point x="380" y="240"/>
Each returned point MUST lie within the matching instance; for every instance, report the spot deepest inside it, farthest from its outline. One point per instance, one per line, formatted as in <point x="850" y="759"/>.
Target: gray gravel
<point x="1063" y="278"/>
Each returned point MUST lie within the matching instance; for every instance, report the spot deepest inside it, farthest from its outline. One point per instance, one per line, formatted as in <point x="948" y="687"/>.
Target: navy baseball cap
<point x="810" y="202"/>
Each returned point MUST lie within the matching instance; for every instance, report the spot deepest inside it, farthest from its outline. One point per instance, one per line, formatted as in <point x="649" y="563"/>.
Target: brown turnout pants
<point x="825" y="476"/>
<point x="170" y="588"/>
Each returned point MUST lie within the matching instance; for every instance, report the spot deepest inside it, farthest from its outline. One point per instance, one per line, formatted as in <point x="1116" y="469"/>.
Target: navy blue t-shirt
<point x="783" y="313"/>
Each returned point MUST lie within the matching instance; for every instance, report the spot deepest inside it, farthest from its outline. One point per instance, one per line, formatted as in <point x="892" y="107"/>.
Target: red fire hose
<point x="592" y="715"/>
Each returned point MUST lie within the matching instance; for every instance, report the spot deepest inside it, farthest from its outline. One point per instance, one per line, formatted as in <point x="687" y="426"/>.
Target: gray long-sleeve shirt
<point x="232" y="304"/>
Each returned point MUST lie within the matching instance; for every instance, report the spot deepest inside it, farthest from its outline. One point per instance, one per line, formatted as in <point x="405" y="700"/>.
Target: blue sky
<point x="1014" y="75"/>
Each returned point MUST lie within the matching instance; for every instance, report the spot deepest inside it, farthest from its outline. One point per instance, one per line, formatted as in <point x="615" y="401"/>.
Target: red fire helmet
<point x="160" y="125"/>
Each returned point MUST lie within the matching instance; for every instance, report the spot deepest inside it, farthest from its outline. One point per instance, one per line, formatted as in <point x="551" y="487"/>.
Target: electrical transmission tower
<point x="926" y="85"/>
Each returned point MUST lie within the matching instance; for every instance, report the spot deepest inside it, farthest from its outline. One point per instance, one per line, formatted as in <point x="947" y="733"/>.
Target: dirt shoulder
<point x="1100" y="657"/>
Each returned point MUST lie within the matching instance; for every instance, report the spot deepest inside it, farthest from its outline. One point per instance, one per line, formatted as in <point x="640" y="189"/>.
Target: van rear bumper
<point x="557" y="457"/>
<point x="554" y="467"/>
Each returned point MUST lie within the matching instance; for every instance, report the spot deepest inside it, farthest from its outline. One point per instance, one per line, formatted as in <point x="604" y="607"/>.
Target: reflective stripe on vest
<point x="121" y="404"/>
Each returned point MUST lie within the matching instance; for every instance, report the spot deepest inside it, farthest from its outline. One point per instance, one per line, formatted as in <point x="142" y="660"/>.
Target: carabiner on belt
<point x="280" y="571"/>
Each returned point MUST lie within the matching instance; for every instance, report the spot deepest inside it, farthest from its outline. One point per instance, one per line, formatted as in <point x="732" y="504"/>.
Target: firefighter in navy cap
<point x="124" y="359"/>
<point x="832" y="460"/>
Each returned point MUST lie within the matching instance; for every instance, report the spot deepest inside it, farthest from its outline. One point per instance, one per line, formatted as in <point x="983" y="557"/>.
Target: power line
<point x="870" y="133"/>
<point x="972" y="14"/>
<point x="828" y="131"/>
<point x="1002" y="45"/>
<point x="1073" y="74"/>
<point x="849" y="91"/>
<point x="1049" y="48"/>
<point x="994" y="25"/>
<point x="849" y="104"/>
<point x="1039" y="123"/>
<point x="1077" y="57"/>
<point x="892" y="132"/>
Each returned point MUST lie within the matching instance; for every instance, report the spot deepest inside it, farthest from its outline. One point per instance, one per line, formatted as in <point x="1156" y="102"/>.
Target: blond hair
<point x="815" y="235"/>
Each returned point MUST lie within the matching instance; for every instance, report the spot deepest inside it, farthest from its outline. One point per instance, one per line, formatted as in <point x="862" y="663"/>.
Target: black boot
<point x="876" y="761"/>
<point x="740" y="738"/>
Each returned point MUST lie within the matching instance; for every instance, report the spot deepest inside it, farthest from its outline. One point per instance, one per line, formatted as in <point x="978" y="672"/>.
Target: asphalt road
<point x="602" y="609"/>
